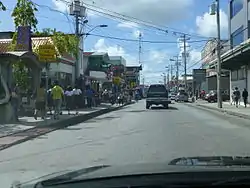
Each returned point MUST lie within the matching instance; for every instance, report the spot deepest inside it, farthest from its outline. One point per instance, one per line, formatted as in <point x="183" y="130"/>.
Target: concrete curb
<point x="61" y="124"/>
<point x="209" y="108"/>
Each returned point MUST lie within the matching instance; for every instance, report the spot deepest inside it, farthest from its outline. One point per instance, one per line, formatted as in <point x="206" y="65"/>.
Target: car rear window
<point x="157" y="88"/>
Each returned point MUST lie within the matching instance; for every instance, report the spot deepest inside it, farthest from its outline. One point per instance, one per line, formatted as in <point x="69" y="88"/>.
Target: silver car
<point x="181" y="97"/>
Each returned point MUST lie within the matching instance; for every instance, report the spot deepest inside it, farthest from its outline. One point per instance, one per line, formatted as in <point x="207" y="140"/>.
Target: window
<point x="157" y="88"/>
<point x="235" y="7"/>
<point x="241" y="74"/>
<point x="234" y="75"/>
<point x="237" y="37"/>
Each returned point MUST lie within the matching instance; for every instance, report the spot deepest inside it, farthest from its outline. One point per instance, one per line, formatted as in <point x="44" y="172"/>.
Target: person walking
<point x="69" y="98"/>
<point x="57" y="96"/>
<point x="40" y="101"/>
<point x="237" y="96"/>
<point x="77" y="93"/>
<point x="15" y="101"/>
<point x="245" y="96"/>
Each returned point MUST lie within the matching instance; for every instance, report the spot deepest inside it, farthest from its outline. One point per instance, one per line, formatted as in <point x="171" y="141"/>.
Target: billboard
<point x="199" y="75"/>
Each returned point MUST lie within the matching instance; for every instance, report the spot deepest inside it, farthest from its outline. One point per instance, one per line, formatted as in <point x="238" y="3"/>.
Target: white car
<point x="172" y="96"/>
<point x="181" y="97"/>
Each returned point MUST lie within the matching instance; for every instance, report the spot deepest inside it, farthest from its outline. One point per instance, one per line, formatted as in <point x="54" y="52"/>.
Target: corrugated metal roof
<point x="99" y="54"/>
<point x="87" y="53"/>
<point x="36" y="42"/>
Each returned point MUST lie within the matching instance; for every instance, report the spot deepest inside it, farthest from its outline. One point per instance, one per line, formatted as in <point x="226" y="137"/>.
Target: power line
<point x="143" y="41"/>
<point x="135" y="20"/>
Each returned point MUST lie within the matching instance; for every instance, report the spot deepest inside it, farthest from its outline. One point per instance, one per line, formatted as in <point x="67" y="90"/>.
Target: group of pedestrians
<point x="236" y="95"/>
<point x="55" y="97"/>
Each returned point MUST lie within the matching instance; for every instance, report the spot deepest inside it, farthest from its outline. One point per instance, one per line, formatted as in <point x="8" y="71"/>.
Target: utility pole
<point x="140" y="50"/>
<point x="219" y="99"/>
<point x="184" y="57"/>
<point x="164" y="79"/>
<point x="168" y="69"/>
<point x="215" y="9"/>
<point x="185" y="62"/>
<point x="78" y="11"/>
<point x="177" y="72"/>
<point x="171" y="72"/>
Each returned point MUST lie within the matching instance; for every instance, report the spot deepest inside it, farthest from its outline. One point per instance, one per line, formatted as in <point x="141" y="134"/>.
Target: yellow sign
<point x="47" y="53"/>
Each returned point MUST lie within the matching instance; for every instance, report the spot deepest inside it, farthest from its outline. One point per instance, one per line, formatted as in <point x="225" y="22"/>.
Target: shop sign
<point x="47" y="53"/>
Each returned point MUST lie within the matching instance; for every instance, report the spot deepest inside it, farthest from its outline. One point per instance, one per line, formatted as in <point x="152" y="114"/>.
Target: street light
<point x="102" y="26"/>
<point x="215" y="10"/>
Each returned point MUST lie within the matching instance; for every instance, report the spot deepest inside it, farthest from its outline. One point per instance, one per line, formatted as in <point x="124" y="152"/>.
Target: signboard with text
<point x="47" y="53"/>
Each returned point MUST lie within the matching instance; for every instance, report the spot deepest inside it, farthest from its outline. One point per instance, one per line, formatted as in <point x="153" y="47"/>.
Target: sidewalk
<point x="241" y="111"/>
<point x="13" y="134"/>
<point x="28" y="122"/>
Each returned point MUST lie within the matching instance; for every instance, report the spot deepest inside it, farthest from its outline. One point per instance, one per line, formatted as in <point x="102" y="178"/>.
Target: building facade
<point x="239" y="31"/>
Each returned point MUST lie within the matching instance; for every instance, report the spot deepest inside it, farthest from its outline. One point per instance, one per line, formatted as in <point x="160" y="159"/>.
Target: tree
<point x="24" y="14"/>
<point x="2" y="7"/>
<point x="65" y="43"/>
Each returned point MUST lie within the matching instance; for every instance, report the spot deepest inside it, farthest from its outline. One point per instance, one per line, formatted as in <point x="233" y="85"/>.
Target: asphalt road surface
<point x="130" y="135"/>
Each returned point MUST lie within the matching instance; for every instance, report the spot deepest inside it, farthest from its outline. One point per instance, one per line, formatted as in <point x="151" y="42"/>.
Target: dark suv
<point x="157" y="95"/>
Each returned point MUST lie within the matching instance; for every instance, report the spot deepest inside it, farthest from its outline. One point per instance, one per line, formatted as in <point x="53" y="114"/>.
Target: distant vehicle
<point x="157" y="95"/>
<point x="181" y="97"/>
<point x="172" y="96"/>
<point x="212" y="96"/>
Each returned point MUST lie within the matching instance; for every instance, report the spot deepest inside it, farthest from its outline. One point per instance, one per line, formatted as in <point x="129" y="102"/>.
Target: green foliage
<point x="24" y="14"/>
<point x="2" y="7"/>
<point x="12" y="46"/>
<point x="20" y="75"/>
<point x="65" y="43"/>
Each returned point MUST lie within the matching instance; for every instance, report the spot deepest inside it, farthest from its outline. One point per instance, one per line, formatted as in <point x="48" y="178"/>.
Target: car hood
<point x="184" y="164"/>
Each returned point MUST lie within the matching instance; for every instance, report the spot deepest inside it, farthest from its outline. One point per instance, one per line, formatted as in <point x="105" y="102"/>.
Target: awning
<point x="234" y="58"/>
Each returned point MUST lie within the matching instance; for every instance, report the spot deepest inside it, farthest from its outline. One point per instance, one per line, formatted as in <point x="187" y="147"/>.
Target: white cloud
<point x="194" y="56"/>
<point x="101" y="46"/>
<point x="156" y="11"/>
<point x="158" y="57"/>
<point x="207" y="26"/>
<point x="151" y="71"/>
<point x="128" y="25"/>
<point x="61" y="6"/>
<point x="64" y="7"/>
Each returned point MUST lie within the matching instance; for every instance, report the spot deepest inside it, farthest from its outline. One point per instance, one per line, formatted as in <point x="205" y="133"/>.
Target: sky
<point x="158" y="46"/>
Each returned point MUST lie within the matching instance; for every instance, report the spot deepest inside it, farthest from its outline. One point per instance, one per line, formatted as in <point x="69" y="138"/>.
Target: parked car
<point x="212" y="96"/>
<point x="157" y="95"/>
<point x="181" y="97"/>
<point x="172" y="96"/>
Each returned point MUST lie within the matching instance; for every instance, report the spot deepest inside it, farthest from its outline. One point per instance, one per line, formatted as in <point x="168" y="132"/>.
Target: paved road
<point x="130" y="135"/>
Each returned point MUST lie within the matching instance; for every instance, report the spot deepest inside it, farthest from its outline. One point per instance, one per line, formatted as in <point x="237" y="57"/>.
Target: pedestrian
<point x="245" y="96"/>
<point x="69" y="99"/>
<point x="237" y="96"/>
<point x="57" y="96"/>
<point x="15" y="101"/>
<point x="77" y="93"/>
<point x="89" y="94"/>
<point x="50" y="103"/>
<point x="40" y="101"/>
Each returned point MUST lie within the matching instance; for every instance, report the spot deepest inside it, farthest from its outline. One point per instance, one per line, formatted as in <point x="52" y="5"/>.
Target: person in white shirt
<point x="77" y="93"/>
<point x="69" y="99"/>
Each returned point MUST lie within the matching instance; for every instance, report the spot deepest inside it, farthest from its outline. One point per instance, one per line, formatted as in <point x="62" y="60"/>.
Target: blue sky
<point x="188" y="16"/>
